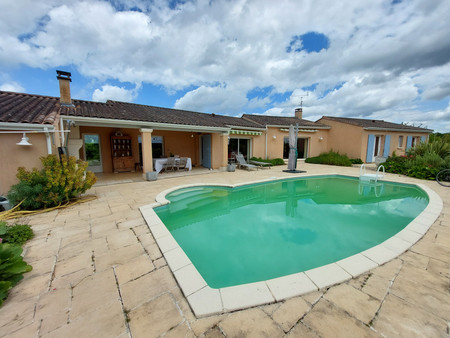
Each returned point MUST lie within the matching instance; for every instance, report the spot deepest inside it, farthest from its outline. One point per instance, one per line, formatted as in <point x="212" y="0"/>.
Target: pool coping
<point x="206" y="301"/>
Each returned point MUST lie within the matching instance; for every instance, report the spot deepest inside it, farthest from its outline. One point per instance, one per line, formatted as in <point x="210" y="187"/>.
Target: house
<point x="367" y="139"/>
<point x="117" y="136"/>
<point x="312" y="136"/>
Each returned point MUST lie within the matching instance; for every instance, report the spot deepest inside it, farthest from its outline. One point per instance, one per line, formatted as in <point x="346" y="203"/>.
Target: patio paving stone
<point x="147" y="287"/>
<point x="119" y="239"/>
<point x="94" y="292"/>
<point x="119" y="256"/>
<point x="155" y="317"/>
<point x="17" y="317"/>
<point x="301" y="331"/>
<point x="357" y="303"/>
<point x="133" y="269"/>
<point x="398" y="318"/>
<point x="107" y="321"/>
<point x="107" y="265"/>
<point x="426" y="298"/>
<point x="250" y="323"/>
<point x="288" y="314"/>
<point x="72" y="264"/>
<point x="329" y="320"/>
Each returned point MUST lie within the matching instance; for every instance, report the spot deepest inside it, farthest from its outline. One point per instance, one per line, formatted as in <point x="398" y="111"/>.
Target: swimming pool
<point x="192" y="206"/>
<point x="262" y="231"/>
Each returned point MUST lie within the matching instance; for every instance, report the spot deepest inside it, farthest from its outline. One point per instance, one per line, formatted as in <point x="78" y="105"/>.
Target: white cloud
<point x="388" y="57"/>
<point x="12" y="87"/>
<point x="114" y="93"/>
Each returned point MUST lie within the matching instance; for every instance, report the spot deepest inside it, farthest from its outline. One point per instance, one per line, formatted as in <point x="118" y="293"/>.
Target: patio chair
<point x="242" y="163"/>
<point x="181" y="164"/>
<point x="261" y="164"/>
<point x="170" y="164"/>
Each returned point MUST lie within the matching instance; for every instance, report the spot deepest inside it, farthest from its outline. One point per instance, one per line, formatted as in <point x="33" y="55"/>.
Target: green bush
<point x="423" y="161"/>
<point x="15" y="234"/>
<point x="332" y="158"/>
<point x="275" y="161"/>
<point x="356" y="161"/>
<point x="12" y="268"/>
<point x="57" y="182"/>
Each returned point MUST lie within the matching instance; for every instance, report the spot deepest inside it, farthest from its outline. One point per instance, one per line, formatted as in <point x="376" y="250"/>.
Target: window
<point x="239" y="146"/>
<point x="302" y="147"/>
<point x="400" y="141"/>
<point x="157" y="147"/>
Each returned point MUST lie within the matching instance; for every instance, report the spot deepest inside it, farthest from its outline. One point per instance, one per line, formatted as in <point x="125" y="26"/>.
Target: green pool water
<point x="262" y="231"/>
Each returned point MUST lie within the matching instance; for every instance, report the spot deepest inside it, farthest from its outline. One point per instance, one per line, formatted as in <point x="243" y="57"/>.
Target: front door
<point x="92" y="152"/>
<point x="206" y="151"/>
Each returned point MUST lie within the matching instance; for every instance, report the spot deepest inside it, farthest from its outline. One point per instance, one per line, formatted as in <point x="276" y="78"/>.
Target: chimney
<point x="299" y="113"/>
<point x="64" y="87"/>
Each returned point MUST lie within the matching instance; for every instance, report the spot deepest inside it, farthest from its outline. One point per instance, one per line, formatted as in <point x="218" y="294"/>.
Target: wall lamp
<point x="24" y="141"/>
<point x="274" y="137"/>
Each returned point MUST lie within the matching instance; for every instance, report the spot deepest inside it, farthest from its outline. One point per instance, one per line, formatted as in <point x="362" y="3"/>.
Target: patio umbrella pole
<point x="292" y="162"/>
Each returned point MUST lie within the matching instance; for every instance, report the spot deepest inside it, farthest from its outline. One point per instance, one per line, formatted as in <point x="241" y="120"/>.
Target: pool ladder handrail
<point x="371" y="177"/>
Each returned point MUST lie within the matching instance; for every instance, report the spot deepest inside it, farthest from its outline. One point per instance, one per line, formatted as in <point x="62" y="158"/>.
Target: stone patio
<point x="97" y="272"/>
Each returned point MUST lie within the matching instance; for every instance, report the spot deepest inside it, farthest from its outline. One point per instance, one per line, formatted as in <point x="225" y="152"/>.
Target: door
<point x="92" y="152"/>
<point x="206" y="151"/>
<point x="302" y="148"/>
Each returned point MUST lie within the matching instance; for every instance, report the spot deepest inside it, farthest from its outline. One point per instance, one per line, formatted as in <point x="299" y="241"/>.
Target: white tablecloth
<point x="158" y="163"/>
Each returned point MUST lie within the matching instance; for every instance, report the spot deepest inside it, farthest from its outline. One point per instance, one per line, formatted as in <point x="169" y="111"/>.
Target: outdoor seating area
<point x="242" y="163"/>
<point x="172" y="163"/>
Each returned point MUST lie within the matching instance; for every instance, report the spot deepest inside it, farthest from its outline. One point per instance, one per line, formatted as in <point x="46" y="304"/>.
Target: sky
<point x="387" y="59"/>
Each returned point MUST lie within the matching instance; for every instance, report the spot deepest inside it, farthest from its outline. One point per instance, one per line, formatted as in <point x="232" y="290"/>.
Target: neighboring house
<point x="367" y="139"/>
<point x="312" y="136"/>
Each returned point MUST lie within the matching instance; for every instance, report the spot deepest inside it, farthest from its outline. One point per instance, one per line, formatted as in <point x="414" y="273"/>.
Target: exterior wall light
<point x="24" y="141"/>
<point x="274" y="137"/>
<point x="320" y="138"/>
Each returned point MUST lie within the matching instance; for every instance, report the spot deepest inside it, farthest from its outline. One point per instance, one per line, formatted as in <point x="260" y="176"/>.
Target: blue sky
<point x="380" y="59"/>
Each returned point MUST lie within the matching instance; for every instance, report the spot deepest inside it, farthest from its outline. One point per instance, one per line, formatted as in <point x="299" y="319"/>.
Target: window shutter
<point x="387" y="144"/>
<point x="423" y="139"/>
<point x="370" y="148"/>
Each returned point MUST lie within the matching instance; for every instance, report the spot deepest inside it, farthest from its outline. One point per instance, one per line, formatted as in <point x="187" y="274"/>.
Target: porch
<point x="104" y="179"/>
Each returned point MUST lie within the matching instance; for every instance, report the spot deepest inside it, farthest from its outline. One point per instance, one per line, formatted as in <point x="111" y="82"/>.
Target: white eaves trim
<point x="428" y="131"/>
<point x="26" y="127"/>
<point x="100" y="122"/>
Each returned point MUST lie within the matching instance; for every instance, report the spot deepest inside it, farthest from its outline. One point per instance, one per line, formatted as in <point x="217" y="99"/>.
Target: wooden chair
<point x="181" y="164"/>
<point x="170" y="164"/>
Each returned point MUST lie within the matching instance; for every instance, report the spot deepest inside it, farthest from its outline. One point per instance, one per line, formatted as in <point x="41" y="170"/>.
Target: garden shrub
<point x="12" y="268"/>
<point x="423" y="161"/>
<point x="15" y="234"/>
<point x="60" y="180"/>
<point x="356" y="161"/>
<point x="274" y="161"/>
<point x="332" y="158"/>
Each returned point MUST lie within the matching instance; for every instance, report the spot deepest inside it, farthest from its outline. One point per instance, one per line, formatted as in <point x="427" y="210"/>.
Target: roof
<point x="376" y="124"/>
<point x="26" y="108"/>
<point x="36" y="109"/>
<point x="282" y="121"/>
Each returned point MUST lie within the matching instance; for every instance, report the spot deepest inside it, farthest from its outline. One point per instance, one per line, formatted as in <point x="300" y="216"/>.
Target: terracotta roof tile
<point x="26" y="108"/>
<point x="282" y="121"/>
<point x="378" y="124"/>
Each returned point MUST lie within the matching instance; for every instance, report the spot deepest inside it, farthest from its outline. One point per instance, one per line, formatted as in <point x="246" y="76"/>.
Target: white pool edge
<point x="206" y="301"/>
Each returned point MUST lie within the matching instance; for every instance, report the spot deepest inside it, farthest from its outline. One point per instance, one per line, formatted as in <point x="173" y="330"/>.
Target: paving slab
<point x="250" y="323"/>
<point x="330" y="321"/>
<point x="154" y="318"/>
<point x="149" y="286"/>
<point x="290" y="312"/>
<point x="398" y="318"/>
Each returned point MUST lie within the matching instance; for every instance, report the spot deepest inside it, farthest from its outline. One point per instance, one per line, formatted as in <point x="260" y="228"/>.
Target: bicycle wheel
<point x="443" y="177"/>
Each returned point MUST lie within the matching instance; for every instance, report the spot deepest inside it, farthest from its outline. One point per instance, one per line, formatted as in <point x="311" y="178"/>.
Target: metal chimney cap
<point x="63" y="75"/>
